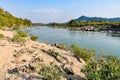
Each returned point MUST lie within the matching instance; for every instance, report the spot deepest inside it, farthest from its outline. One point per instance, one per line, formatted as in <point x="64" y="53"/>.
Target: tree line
<point x="8" y="20"/>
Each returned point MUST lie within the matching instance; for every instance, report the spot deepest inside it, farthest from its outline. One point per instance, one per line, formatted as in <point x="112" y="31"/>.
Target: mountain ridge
<point x="89" y="19"/>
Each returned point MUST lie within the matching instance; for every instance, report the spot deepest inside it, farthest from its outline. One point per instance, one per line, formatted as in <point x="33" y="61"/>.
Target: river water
<point x="101" y="42"/>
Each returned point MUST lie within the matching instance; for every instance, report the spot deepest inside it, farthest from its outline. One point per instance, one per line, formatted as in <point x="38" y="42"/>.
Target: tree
<point x="73" y="23"/>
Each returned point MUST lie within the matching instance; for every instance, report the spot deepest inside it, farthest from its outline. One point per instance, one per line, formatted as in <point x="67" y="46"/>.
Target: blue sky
<point x="46" y="11"/>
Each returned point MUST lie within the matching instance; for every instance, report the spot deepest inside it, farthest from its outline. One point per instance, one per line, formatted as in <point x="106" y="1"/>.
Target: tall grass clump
<point x="20" y="37"/>
<point x="106" y="67"/>
<point x="83" y="52"/>
<point x="22" y="34"/>
<point x="34" y="38"/>
<point x="1" y="36"/>
<point x="51" y="73"/>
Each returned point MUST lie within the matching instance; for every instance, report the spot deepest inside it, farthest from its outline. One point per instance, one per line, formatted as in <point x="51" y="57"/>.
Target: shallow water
<point x="108" y="43"/>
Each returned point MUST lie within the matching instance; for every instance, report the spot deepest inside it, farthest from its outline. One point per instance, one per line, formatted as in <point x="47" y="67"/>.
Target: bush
<point x="1" y="36"/>
<point x="16" y="28"/>
<point x="104" y="68"/>
<point x="83" y="52"/>
<point x="18" y="38"/>
<point x="22" y="34"/>
<point x="34" y="38"/>
<point x="51" y="73"/>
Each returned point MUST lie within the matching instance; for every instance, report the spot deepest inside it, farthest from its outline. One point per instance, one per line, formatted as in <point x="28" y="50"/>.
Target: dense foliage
<point x="94" y="24"/>
<point x="105" y="67"/>
<point x="51" y="73"/>
<point x="1" y="36"/>
<point x="34" y="38"/>
<point x="74" y="23"/>
<point x="20" y="37"/>
<point x="83" y="52"/>
<point x="8" y="20"/>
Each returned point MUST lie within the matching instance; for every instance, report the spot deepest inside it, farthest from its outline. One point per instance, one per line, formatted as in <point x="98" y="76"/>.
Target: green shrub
<point x="83" y="52"/>
<point x="16" y="28"/>
<point x="1" y="36"/>
<point x="104" y="68"/>
<point x="22" y="34"/>
<point x="34" y="38"/>
<point x="18" y="38"/>
<point x="51" y="73"/>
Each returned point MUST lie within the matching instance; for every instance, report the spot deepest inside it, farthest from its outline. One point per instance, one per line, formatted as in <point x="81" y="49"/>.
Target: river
<point x="101" y="42"/>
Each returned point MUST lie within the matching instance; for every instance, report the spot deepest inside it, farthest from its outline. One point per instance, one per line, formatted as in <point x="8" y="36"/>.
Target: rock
<point x="61" y="46"/>
<point x="24" y="60"/>
<point x="7" y="79"/>
<point x="31" y="67"/>
<point x="34" y="46"/>
<point x="3" y="45"/>
<point x="69" y="71"/>
<point x="62" y="78"/>
<point x="15" y="70"/>
<point x="22" y="68"/>
<point x="36" y="52"/>
<point x="74" y="77"/>
<point x="30" y="50"/>
<point x="22" y="50"/>
<point x="78" y="58"/>
<point x="17" y="55"/>
<point x="61" y="60"/>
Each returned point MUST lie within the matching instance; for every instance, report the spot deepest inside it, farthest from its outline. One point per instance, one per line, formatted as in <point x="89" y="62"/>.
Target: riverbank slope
<point x="28" y="60"/>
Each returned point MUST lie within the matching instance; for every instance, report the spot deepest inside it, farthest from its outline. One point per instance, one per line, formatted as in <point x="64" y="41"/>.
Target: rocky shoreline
<point x="27" y="61"/>
<point x="91" y="28"/>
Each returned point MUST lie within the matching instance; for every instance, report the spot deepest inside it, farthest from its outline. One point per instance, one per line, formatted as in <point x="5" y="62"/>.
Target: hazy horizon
<point x="46" y="11"/>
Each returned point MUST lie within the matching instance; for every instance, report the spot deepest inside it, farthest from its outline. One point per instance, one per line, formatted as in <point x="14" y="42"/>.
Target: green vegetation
<point x="8" y="20"/>
<point x="34" y="38"/>
<point x="22" y="34"/>
<point x="93" y="25"/>
<point x="74" y="23"/>
<point x="51" y="73"/>
<point x="20" y="37"/>
<point x="1" y="36"/>
<point x="105" y="67"/>
<point x="83" y="52"/>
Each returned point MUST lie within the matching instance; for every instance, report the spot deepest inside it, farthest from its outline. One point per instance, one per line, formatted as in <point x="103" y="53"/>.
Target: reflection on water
<point x="114" y="34"/>
<point x="110" y="43"/>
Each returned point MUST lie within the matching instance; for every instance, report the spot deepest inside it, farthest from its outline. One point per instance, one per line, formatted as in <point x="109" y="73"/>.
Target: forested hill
<point x="8" y="20"/>
<point x="89" y="19"/>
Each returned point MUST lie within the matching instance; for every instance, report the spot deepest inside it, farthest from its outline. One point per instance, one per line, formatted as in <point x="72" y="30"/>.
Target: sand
<point x="27" y="53"/>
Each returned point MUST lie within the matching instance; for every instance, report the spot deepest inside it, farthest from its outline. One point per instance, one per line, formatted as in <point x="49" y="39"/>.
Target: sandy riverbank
<point x="22" y="56"/>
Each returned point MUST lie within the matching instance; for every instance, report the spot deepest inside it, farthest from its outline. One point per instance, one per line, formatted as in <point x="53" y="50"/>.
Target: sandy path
<point x="6" y="52"/>
<point x="6" y="57"/>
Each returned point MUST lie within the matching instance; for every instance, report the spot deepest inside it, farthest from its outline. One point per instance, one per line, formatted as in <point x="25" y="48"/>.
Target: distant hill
<point x="85" y="18"/>
<point x="8" y="20"/>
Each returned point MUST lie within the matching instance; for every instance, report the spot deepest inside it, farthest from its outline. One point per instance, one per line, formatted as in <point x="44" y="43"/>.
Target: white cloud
<point x="44" y="10"/>
<point x="44" y="15"/>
